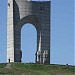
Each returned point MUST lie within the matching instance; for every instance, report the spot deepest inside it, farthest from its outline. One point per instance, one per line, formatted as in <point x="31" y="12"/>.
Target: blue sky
<point x="62" y="34"/>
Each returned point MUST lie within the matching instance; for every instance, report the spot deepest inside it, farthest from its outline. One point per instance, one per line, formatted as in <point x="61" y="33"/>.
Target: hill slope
<point x="36" y="69"/>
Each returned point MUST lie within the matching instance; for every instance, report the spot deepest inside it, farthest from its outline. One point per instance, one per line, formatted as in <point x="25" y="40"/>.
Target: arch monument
<point x="37" y="13"/>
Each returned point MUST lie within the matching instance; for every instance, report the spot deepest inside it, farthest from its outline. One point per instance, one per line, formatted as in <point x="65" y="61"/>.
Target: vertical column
<point x="45" y="43"/>
<point x="10" y="33"/>
<point x="44" y="19"/>
<point x="17" y="43"/>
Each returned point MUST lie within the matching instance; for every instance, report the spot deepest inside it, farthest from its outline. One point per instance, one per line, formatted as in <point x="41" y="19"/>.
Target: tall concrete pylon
<point x="37" y="13"/>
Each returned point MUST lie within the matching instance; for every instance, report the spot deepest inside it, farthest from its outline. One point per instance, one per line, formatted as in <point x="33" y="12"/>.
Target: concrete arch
<point x="37" y="13"/>
<point x="28" y="19"/>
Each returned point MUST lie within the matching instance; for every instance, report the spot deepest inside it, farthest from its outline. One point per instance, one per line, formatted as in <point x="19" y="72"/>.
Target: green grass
<point x="36" y="69"/>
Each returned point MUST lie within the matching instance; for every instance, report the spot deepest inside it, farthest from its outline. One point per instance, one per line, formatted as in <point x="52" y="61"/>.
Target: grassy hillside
<point x="36" y="69"/>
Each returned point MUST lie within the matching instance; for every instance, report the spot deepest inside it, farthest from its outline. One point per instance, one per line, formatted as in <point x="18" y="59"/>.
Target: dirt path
<point x="8" y="66"/>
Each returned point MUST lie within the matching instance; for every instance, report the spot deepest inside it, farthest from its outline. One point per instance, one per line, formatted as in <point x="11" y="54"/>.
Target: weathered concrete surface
<point x="21" y="12"/>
